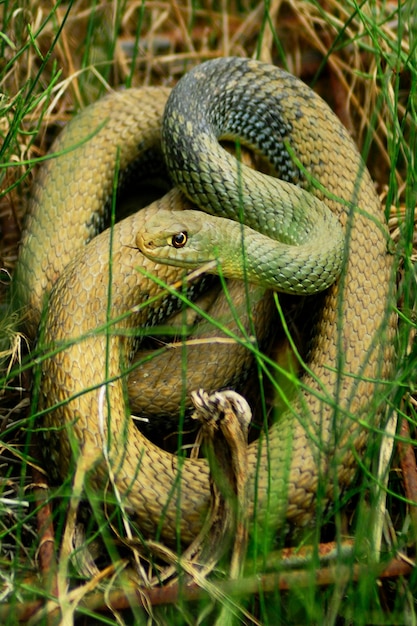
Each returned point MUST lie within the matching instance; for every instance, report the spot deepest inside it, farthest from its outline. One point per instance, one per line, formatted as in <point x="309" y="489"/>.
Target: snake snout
<point x="144" y="244"/>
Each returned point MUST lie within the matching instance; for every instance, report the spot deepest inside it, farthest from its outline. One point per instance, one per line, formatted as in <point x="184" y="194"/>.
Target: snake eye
<point x="179" y="239"/>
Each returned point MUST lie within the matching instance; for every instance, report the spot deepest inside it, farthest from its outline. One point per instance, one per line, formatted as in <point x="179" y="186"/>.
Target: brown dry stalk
<point x="267" y="583"/>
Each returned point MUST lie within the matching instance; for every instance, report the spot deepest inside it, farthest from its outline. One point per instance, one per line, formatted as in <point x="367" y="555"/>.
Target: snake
<point x="84" y="294"/>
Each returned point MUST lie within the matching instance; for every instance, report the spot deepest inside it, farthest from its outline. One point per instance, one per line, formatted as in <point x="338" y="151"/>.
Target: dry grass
<point x="55" y="59"/>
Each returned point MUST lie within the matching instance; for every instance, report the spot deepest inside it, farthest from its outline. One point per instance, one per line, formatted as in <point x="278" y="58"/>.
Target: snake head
<point x="181" y="238"/>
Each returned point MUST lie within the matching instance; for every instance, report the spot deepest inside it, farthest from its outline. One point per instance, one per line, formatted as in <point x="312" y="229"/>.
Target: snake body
<point x="314" y="442"/>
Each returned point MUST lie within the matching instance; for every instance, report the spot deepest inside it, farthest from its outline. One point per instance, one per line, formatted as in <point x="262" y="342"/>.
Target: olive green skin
<point x="312" y="444"/>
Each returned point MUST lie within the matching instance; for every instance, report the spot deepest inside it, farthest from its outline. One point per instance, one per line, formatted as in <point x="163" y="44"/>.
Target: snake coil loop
<point x="313" y="444"/>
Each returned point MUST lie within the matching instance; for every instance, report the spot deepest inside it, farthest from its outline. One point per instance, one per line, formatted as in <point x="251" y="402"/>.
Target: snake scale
<point x="311" y="445"/>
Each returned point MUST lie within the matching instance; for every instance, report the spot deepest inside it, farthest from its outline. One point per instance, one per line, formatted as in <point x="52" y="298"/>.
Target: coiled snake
<point x="82" y="395"/>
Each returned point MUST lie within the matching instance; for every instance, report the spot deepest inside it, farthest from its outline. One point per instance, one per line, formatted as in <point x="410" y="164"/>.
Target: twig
<point x="46" y="550"/>
<point x="409" y="469"/>
<point x="123" y="599"/>
<point x="225" y="417"/>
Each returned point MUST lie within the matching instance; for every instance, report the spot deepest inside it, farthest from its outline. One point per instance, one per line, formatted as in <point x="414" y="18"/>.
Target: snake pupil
<point x="179" y="239"/>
